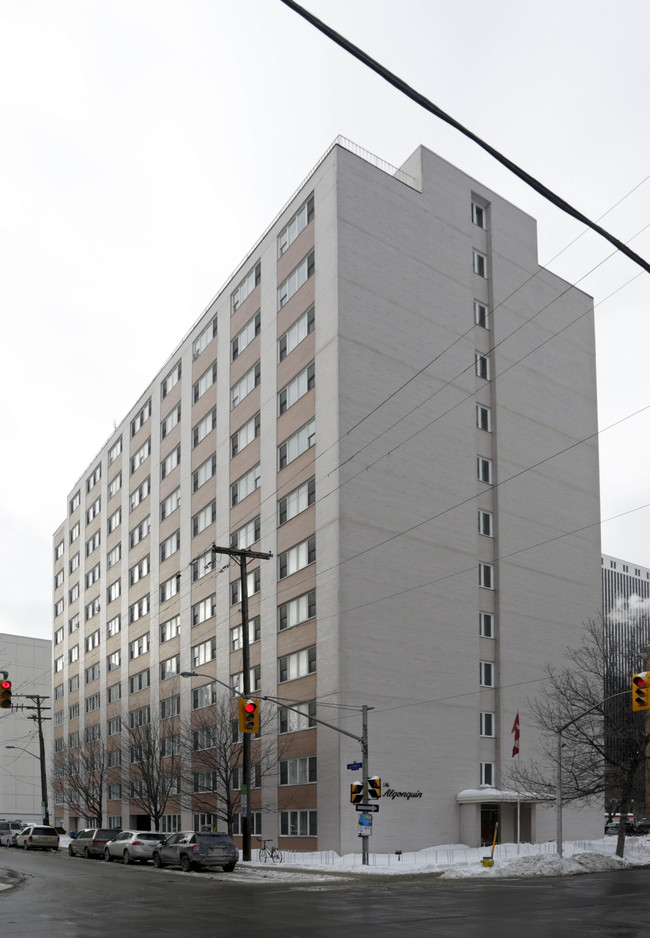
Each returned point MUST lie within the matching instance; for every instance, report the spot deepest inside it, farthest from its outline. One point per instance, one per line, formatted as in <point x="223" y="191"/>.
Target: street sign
<point x="373" y="808"/>
<point x="354" y="766"/>
<point x="365" y="824"/>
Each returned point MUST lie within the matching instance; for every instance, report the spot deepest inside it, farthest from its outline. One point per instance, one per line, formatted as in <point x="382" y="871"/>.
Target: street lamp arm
<point x="561" y="729"/>
<point x="358" y="739"/>
<point x="24" y="750"/>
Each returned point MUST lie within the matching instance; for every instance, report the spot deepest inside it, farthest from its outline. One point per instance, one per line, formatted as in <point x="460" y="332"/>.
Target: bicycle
<point x="269" y="853"/>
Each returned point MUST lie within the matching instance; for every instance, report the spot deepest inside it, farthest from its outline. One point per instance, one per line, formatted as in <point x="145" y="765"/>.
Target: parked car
<point x="643" y="826"/>
<point x="91" y="842"/>
<point x="130" y="846"/>
<point x="38" y="837"/>
<point x="196" y="849"/>
<point x="611" y="829"/>
<point x="8" y="832"/>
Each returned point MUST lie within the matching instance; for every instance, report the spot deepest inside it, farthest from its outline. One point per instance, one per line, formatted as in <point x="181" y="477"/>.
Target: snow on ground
<point x="450" y="862"/>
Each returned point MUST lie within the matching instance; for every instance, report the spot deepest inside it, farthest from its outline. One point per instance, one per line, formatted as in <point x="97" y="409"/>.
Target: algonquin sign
<point x="391" y="793"/>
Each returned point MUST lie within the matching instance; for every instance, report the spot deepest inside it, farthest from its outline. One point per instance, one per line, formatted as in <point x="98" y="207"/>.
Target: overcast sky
<point x="146" y="145"/>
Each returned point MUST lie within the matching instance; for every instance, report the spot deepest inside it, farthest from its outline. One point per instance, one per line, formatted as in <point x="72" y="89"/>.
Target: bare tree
<point x="212" y="743"/>
<point x="604" y="741"/>
<point x="153" y="750"/>
<point x="80" y="777"/>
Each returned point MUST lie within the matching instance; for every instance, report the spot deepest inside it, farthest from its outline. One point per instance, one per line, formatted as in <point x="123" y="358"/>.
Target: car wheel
<point x="70" y="850"/>
<point x="126" y="858"/>
<point x="229" y="867"/>
<point x="25" y="847"/>
<point x="186" y="863"/>
<point x="157" y="862"/>
<point x="86" y="853"/>
<point x="107" y="855"/>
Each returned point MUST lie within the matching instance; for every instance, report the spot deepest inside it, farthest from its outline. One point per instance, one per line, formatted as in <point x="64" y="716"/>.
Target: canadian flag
<point x="515" y="730"/>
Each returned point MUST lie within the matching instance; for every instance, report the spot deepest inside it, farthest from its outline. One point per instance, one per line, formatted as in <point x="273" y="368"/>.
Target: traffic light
<point x="5" y="694"/>
<point x="640" y="691"/>
<point x="249" y="715"/>
<point x="374" y="787"/>
<point x="356" y="792"/>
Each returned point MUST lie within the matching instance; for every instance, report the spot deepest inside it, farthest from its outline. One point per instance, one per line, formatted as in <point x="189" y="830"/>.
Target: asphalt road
<point x="61" y="897"/>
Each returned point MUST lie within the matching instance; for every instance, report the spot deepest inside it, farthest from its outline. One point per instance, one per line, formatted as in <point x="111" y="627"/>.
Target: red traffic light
<point x="250" y="706"/>
<point x="5" y="685"/>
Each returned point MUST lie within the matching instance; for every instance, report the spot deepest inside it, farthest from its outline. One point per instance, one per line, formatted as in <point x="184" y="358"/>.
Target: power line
<point x="428" y="105"/>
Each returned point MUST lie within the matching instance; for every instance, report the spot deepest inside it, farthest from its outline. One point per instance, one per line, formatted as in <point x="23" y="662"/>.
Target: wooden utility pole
<point x="241" y="557"/>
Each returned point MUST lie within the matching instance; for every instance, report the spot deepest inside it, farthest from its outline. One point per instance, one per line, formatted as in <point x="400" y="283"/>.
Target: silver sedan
<point x="132" y="846"/>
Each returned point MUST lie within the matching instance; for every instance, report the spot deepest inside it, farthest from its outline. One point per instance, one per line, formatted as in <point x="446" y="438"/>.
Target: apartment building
<point x="377" y="396"/>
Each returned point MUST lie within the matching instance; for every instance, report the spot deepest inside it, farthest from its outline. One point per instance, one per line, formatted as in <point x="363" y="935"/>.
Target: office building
<point x="378" y="396"/>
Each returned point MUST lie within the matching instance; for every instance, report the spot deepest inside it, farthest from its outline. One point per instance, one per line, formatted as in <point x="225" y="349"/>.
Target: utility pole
<point x="38" y="718"/>
<point x="241" y="557"/>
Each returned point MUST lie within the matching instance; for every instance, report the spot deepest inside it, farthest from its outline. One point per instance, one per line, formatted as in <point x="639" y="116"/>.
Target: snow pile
<point x="550" y="865"/>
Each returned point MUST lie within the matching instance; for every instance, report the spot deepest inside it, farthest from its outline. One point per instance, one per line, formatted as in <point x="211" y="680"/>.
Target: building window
<point x="139" y="571"/>
<point x="113" y="626"/>
<point x="298" y="824"/>
<point x="245" y="385"/>
<point x="92" y="609"/>
<point x="113" y="693"/>
<point x="114" y="451"/>
<point x="246" y="335"/>
<point x="479" y="263"/>
<point x="298" y="276"/>
<point x="487" y="774"/>
<point x="74" y="562"/>
<point x="59" y="578"/>
<point x="203" y="565"/>
<point x="204" y="610"/>
<point x="94" y="478"/>
<point x="253" y="634"/>
<point x="73" y="712"/>
<point x="170" y="667"/>
<point x="170" y="504"/>
<point x="94" y="509"/>
<point x="298" y="331"/>
<point x="205" y="426"/>
<point x="139" y="609"/>
<point x="204" y="652"/>
<point x="140" y="493"/>
<point x="245" y="288"/>
<point x="139" y="681"/>
<point x="92" y="703"/>
<point x="114" y="591"/>
<point x="205" y="782"/>
<point x="73" y="594"/>
<point x="205" y="382"/>
<point x="297" y="444"/>
<point x="486" y="576"/>
<point x="296" y="225"/>
<point x="74" y="532"/>
<point x="59" y="663"/>
<point x="170" y="421"/>
<point x="170" y="629"/>
<point x="204" y="338"/>
<point x="140" y="717"/>
<point x="91" y="733"/>
<point x="140" y="531"/>
<point x="93" y="543"/>
<point x="59" y="692"/>
<point x="292" y="722"/>
<point x="113" y="727"/>
<point x="481" y="315"/>
<point x="482" y="366"/>
<point x="483" y="417"/>
<point x="254" y="823"/>
<point x="303" y="382"/>
<point x="204" y="696"/>
<point x="170" y="462"/>
<point x="297" y="610"/>
<point x="170" y="707"/>
<point x="171" y="380"/>
<point x="487" y="723"/>
<point x="298" y="664"/>
<point x="297" y="501"/>
<point x="58" y="635"/>
<point x="297" y="557"/>
<point x="73" y="624"/>
<point x="73" y="654"/>
<point x="204" y="518"/>
<point x="170" y="545"/>
<point x="139" y="646"/>
<point x="205" y="471"/>
<point x="141" y="418"/>
<point x="141" y="456"/>
<point x="485" y="523"/>
<point x="484" y="469"/>
<point x="253" y="584"/>
<point x="299" y="771"/>
<point x="246" y="484"/>
<point x="73" y="684"/>
<point x="479" y="215"/>
<point x="75" y="501"/>
<point x="245" y="435"/>
<point x="170" y="587"/>
<point x="486" y="673"/>
<point x="114" y="486"/>
<point x="486" y="624"/>
<point x="254" y="681"/>
<point x="244" y="537"/>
